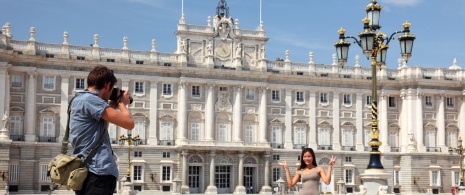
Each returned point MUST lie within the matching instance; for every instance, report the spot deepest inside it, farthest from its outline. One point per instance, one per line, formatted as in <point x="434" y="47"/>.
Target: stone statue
<point x="263" y="52"/>
<point x="183" y="46"/>
<point x="209" y="48"/>
<point x="411" y="137"/>
<point x="239" y="50"/>
<point x="363" y="191"/>
<point x="6" y="120"/>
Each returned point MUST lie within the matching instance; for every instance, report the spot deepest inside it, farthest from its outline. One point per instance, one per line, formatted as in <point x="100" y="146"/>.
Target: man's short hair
<point x="99" y="76"/>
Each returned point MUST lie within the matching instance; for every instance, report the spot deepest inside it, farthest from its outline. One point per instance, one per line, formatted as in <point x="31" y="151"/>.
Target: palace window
<point x="167" y="89"/>
<point x="166" y="155"/>
<point x="300" y="135"/>
<point x="16" y="81"/>
<point x="139" y="87"/>
<point x="80" y="84"/>
<point x="13" y="172"/>
<point x="347" y="99"/>
<point x="276" y="135"/>
<point x="276" y="174"/>
<point x="368" y="100"/>
<point x="428" y="101"/>
<point x="137" y="173"/>
<point x="393" y="138"/>
<point x="43" y="173"/>
<point x="348" y="137"/>
<point x="450" y="102"/>
<point x="275" y="95"/>
<point x="452" y="138"/>
<point x="223" y="88"/>
<point x="49" y="83"/>
<point x="392" y="102"/>
<point x="195" y="131"/>
<point x="222" y="133"/>
<point x="396" y="177"/>
<point x="430" y="138"/>
<point x="349" y="176"/>
<point x="195" y="91"/>
<point x="166" y="131"/>
<point x="166" y="174"/>
<point x="323" y="98"/>
<point x="324" y="138"/>
<point x="16" y="125"/>
<point x="299" y="95"/>
<point x="249" y="94"/>
<point x="248" y="137"/>
<point x="139" y="129"/>
<point x="112" y="133"/>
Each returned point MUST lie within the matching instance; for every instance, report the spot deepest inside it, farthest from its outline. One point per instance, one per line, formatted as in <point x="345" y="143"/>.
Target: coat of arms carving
<point x="223" y="104"/>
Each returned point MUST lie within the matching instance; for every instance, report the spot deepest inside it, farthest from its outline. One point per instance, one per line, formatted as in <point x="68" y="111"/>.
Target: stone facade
<point x="220" y="116"/>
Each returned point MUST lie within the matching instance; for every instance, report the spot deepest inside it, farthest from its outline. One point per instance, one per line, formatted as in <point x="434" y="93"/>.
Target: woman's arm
<point x="290" y="182"/>
<point x="327" y="177"/>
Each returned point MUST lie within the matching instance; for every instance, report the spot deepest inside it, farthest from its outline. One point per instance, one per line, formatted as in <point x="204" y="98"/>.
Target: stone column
<point x="209" y="112"/>
<point x="64" y="106"/>
<point x="153" y="125"/>
<point x="262" y="125"/>
<point x="184" y="186"/>
<point x="3" y="86"/>
<point x="462" y="117"/>
<point x="288" y="144"/>
<point x="383" y="122"/>
<point x="359" y="122"/>
<point x="336" y="121"/>
<point x="441" y="124"/>
<point x="404" y="121"/>
<point x="240" y="189"/>
<point x="312" y="121"/>
<point x="419" y="122"/>
<point x="266" y="188"/>
<point x="237" y="121"/>
<point x="182" y="114"/>
<point x="31" y="108"/>
<point x="211" y="189"/>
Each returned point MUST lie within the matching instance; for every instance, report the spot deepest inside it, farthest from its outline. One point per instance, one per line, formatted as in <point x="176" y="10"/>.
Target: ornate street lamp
<point x="131" y="141"/>
<point x="460" y="149"/>
<point x="374" y="45"/>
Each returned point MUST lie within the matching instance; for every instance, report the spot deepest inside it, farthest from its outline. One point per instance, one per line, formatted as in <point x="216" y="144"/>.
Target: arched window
<point x="452" y="135"/>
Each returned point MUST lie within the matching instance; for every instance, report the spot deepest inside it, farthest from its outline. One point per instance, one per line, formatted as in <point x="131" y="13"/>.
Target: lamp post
<point x="460" y="149"/>
<point x="374" y="45"/>
<point x="131" y="141"/>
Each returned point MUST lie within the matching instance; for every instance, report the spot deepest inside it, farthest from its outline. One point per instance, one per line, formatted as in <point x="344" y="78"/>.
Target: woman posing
<point x="310" y="173"/>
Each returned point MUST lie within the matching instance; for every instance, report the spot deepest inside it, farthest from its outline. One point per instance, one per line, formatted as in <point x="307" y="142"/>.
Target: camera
<point x="116" y="93"/>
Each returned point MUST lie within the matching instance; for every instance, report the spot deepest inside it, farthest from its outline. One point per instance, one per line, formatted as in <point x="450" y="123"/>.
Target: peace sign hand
<point x="284" y="165"/>
<point x="332" y="161"/>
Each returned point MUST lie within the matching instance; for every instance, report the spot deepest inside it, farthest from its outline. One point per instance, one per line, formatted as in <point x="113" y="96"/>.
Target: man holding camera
<point x="91" y="111"/>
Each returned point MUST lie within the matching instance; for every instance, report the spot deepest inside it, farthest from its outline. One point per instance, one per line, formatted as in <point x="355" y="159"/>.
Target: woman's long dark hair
<point x="302" y="163"/>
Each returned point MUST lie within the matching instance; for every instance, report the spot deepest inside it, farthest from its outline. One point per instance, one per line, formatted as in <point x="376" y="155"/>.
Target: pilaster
<point x="262" y="125"/>
<point x="182" y="114"/>
<point x="383" y="125"/>
<point x="336" y="121"/>
<point x="209" y="112"/>
<point x="312" y="119"/>
<point x="237" y="120"/>
<point x="419" y="121"/>
<point x="359" y="122"/>
<point x="288" y="120"/>
<point x="31" y="114"/>
<point x="211" y="189"/>
<point x="152" y="127"/>
<point x="440" y="122"/>
<point x="184" y="186"/>
<point x="240" y="189"/>
<point x="64" y="106"/>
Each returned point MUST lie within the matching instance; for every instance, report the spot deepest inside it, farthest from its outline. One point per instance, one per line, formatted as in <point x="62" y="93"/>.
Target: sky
<point x="300" y="26"/>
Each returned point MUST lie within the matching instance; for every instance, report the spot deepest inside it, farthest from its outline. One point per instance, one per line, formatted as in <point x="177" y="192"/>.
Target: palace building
<point x="219" y="116"/>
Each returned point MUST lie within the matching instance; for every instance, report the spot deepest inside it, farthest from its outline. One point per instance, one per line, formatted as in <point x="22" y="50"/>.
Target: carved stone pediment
<point x="223" y="104"/>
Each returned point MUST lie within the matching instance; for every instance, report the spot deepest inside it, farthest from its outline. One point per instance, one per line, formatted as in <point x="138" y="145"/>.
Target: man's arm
<point x="123" y="118"/>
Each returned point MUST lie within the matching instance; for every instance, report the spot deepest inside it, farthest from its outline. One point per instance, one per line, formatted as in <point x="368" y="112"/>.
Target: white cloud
<point x="402" y="3"/>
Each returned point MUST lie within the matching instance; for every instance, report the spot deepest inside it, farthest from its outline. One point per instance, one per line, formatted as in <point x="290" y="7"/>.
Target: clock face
<point x="223" y="50"/>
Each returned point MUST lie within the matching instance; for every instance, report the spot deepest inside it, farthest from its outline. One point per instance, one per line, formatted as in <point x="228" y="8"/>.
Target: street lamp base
<point x="375" y="160"/>
<point x="128" y="188"/>
<point x="461" y="190"/>
<point x="373" y="179"/>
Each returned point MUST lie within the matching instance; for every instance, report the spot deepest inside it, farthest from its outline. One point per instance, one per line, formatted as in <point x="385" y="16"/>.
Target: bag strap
<point x="64" y="143"/>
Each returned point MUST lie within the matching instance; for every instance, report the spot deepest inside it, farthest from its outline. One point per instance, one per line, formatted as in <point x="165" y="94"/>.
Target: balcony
<point x="325" y="147"/>
<point x="47" y="139"/>
<point x="395" y="149"/>
<point x="277" y="145"/>
<point x="348" y="148"/>
<point x="300" y="146"/>
<point x="19" y="138"/>
<point x="166" y="142"/>
<point x="433" y="149"/>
